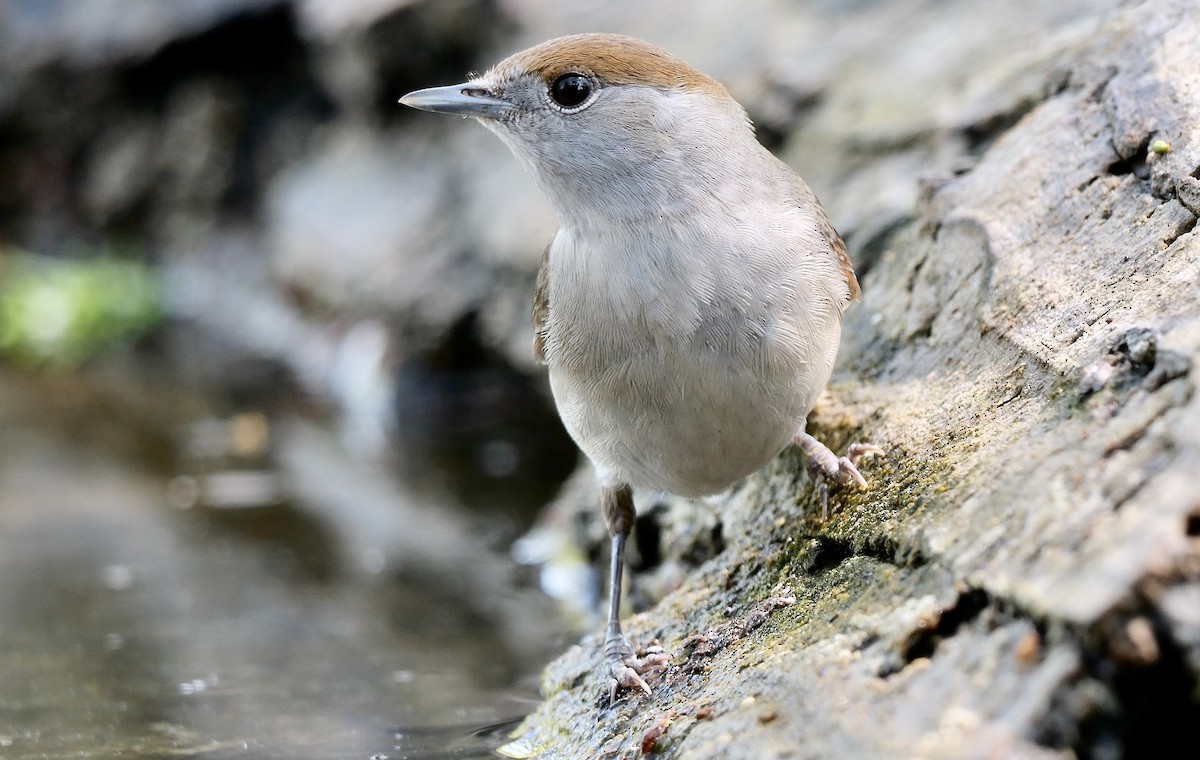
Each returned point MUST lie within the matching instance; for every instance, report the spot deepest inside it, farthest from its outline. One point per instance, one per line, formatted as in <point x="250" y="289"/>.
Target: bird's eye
<point x="569" y="90"/>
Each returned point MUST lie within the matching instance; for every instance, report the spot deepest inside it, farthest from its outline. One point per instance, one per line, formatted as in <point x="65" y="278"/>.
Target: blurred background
<point x="269" y="419"/>
<point x="261" y="459"/>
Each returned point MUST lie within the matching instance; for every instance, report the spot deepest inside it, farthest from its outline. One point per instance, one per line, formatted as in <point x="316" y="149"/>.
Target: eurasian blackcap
<point x="690" y="306"/>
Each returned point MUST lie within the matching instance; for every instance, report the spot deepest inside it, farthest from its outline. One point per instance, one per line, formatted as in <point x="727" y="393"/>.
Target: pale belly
<point x="686" y="373"/>
<point x="689" y="423"/>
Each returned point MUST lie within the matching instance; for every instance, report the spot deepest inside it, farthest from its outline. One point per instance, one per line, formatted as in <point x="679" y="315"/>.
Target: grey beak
<point x="466" y="99"/>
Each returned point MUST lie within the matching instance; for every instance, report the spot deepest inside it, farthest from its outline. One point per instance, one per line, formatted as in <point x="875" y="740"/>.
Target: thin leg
<point x="626" y="668"/>
<point x="825" y="466"/>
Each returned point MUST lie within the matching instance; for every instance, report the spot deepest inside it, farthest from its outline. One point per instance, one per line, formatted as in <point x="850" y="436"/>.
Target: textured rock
<point x="1019" y="580"/>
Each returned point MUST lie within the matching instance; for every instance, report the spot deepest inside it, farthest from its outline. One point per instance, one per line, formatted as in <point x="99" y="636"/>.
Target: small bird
<point x="689" y="307"/>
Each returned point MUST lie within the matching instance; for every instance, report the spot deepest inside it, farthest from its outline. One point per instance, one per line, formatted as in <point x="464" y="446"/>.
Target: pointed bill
<point x="467" y="99"/>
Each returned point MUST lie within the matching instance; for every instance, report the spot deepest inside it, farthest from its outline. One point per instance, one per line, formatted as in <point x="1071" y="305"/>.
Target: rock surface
<point x="1020" y="579"/>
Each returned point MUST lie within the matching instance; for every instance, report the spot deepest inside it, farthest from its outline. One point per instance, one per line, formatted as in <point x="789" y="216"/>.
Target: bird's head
<point x="604" y="120"/>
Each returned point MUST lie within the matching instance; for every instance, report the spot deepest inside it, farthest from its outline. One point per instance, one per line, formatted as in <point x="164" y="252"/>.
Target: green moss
<point x="61" y="312"/>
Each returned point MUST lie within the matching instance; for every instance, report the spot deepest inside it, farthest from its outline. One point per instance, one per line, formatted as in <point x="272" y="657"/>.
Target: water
<point x="316" y="610"/>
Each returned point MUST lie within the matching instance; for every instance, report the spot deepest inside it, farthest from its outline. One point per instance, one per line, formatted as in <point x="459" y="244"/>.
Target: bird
<point x="689" y="307"/>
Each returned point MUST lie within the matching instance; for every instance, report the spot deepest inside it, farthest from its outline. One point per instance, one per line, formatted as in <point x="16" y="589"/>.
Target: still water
<point x="158" y="599"/>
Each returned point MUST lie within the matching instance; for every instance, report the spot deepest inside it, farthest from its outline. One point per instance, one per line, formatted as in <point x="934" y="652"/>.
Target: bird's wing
<point x="805" y="198"/>
<point x="541" y="307"/>
<point x="843" y="256"/>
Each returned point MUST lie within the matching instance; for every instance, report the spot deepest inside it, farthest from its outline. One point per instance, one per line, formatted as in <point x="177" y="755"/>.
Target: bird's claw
<point x="847" y="465"/>
<point x="857" y="451"/>
<point x="626" y="669"/>
<point x="625" y="677"/>
<point x="825" y="467"/>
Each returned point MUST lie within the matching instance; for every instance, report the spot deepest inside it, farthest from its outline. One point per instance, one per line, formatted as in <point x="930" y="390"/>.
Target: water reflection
<point x="294" y="601"/>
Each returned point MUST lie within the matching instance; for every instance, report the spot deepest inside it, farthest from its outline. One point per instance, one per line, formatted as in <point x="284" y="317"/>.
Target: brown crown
<point x="610" y="58"/>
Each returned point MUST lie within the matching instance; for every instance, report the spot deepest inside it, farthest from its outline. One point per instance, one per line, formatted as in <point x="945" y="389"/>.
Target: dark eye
<point x="569" y="90"/>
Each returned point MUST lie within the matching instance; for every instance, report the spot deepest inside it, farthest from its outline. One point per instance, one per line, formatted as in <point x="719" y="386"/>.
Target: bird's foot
<point x="825" y="467"/>
<point x="627" y="668"/>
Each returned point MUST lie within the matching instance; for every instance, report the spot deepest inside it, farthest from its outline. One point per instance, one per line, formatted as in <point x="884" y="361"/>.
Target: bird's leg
<point x="626" y="668"/>
<point x="825" y="466"/>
